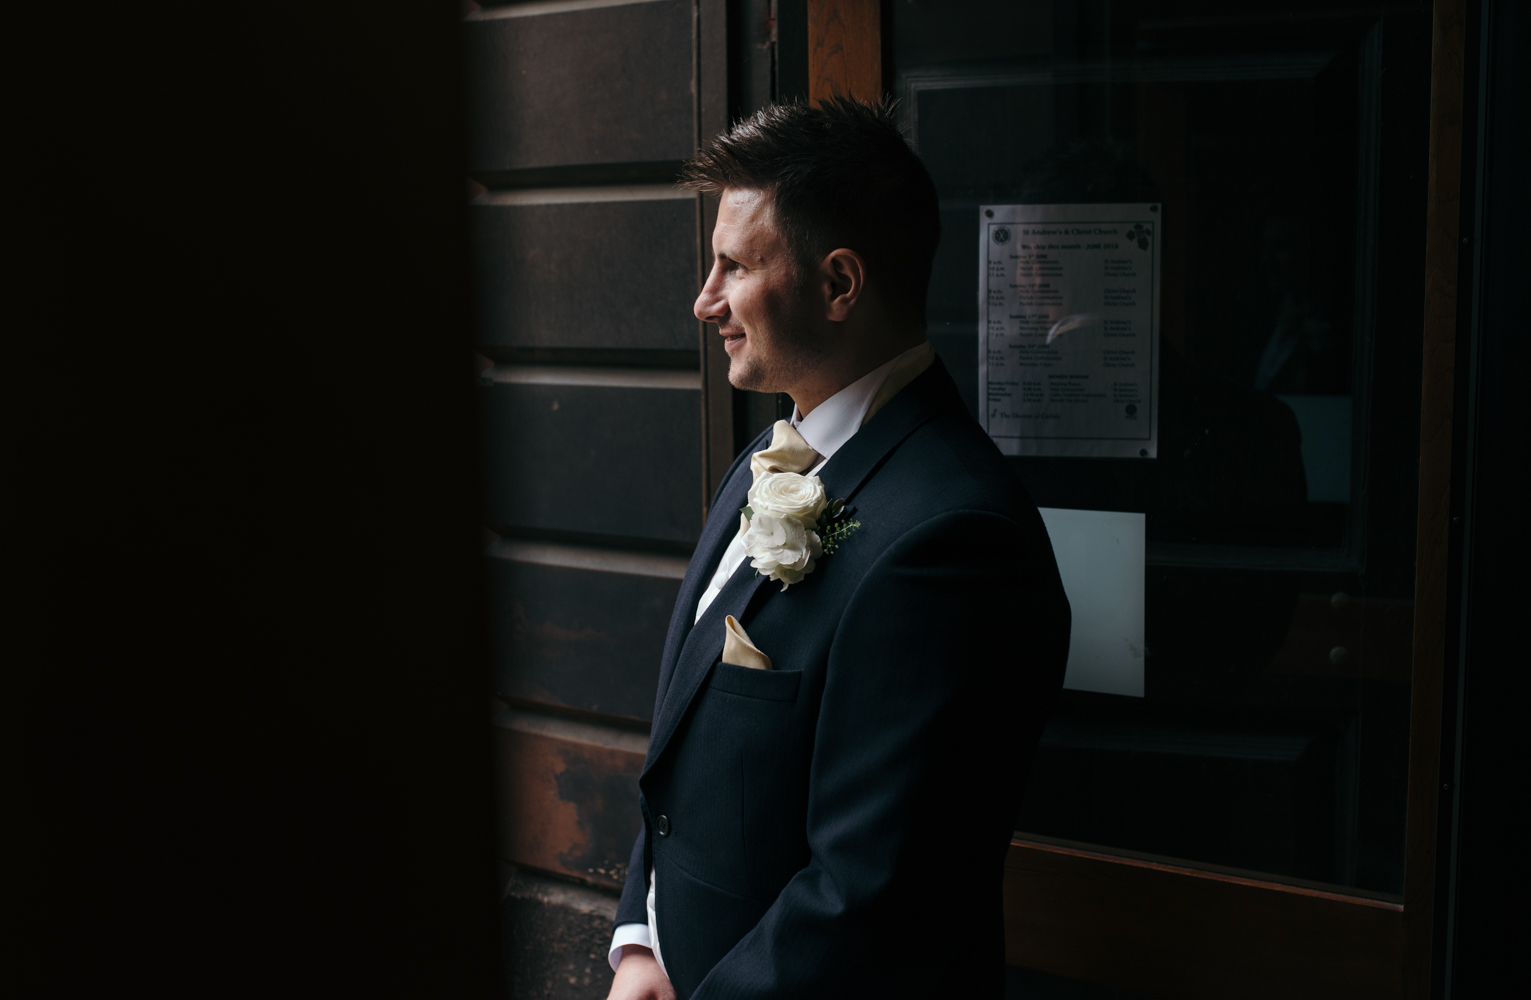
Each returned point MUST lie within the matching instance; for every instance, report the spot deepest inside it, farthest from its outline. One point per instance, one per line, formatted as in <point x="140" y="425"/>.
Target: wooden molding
<point x="1432" y="551"/>
<point x="1161" y="927"/>
<point x="844" y="49"/>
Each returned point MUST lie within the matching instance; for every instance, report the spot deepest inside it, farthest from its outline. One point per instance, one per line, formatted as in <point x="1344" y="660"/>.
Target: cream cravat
<point x="787" y="452"/>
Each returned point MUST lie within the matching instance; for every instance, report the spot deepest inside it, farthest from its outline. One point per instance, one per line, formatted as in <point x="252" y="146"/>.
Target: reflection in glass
<point x="1272" y="734"/>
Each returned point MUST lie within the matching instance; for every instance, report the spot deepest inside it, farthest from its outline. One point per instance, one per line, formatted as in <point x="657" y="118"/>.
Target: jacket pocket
<point x="767" y="685"/>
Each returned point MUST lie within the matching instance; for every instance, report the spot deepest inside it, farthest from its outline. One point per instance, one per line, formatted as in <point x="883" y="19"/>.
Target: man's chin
<point x="743" y="375"/>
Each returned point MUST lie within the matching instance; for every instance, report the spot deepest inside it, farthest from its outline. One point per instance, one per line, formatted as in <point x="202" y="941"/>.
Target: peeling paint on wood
<point x="568" y="794"/>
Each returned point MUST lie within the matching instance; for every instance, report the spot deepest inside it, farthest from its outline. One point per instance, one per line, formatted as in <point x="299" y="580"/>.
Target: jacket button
<point x="662" y="824"/>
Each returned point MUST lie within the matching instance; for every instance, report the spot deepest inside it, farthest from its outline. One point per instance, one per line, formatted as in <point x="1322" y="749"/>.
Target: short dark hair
<point x="841" y="175"/>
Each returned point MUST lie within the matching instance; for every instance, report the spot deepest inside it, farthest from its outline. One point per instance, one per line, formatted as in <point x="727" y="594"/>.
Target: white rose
<point x="787" y="494"/>
<point x="781" y="548"/>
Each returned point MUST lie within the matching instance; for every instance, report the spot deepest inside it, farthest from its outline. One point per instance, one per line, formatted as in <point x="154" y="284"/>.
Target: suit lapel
<point x="699" y="651"/>
<point x="691" y="652"/>
<point x="722" y="523"/>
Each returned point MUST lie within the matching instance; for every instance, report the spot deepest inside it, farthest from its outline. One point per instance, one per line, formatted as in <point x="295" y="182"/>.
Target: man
<point x="850" y="693"/>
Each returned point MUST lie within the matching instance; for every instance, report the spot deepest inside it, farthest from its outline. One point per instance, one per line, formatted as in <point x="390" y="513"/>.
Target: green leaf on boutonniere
<point x="835" y="509"/>
<point x="837" y="533"/>
<point x="749" y="515"/>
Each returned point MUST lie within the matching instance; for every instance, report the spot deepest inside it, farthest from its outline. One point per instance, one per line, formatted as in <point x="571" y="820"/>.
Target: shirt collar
<point x="837" y="419"/>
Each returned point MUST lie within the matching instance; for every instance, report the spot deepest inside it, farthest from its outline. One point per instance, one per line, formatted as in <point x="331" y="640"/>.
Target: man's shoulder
<point x="950" y="463"/>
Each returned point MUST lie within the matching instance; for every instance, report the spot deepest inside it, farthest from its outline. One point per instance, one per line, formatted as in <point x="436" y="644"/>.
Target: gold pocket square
<point x="738" y="650"/>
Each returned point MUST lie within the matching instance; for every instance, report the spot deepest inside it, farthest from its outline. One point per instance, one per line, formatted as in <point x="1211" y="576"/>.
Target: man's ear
<point x="845" y="276"/>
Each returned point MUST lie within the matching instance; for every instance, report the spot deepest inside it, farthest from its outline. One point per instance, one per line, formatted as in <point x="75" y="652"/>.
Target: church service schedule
<point x="1068" y="330"/>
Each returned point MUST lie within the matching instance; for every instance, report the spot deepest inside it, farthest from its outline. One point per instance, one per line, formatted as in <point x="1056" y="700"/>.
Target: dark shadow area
<point x="1478" y="950"/>
<point x="247" y="670"/>
<point x="1029" y="984"/>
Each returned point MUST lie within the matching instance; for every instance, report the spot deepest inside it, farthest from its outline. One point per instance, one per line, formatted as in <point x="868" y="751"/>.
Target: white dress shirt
<point x="831" y="424"/>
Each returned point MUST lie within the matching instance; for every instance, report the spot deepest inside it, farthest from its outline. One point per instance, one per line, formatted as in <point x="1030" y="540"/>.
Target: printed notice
<point x="1101" y="559"/>
<point x="1068" y="300"/>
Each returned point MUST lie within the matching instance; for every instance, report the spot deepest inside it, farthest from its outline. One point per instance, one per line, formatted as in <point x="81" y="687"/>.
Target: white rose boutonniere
<point x="783" y="511"/>
<point x="781" y="534"/>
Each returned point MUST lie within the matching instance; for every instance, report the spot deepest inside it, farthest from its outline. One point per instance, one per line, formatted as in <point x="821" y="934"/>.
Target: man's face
<point x="763" y="306"/>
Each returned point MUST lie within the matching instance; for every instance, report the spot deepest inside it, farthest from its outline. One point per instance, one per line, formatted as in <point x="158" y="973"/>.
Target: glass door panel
<point x="1278" y="145"/>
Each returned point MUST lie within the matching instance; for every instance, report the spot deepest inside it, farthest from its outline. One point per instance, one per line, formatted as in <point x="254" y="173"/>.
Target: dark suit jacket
<point x="837" y="826"/>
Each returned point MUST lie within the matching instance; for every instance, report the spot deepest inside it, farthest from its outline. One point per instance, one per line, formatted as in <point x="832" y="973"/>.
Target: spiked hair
<point x="840" y="175"/>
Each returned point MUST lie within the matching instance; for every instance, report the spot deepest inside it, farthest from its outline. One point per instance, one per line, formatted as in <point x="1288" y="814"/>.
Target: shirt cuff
<point x="627" y="934"/>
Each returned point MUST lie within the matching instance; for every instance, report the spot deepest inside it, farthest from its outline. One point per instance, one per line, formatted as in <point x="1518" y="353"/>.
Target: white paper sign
<point x="1102" y="558"/>
<point x="1068" y="305"/>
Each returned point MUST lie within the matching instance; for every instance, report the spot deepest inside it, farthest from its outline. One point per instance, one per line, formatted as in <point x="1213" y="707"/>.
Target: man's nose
<point x="711" y="306"/>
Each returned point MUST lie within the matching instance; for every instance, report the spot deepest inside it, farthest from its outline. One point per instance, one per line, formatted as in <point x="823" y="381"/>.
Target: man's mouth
<point x="732" y="340"/>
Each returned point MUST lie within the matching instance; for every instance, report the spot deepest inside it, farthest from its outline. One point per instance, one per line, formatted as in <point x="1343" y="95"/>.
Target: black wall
<point x="1485" y="880"/>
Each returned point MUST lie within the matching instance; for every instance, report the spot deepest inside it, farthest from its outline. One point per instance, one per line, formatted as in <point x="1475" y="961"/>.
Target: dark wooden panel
<point x="603" y="85"/>
<point x="611" y="268"/>
<point x="1176" y="932"/>
<point x="1258" y="797"/>
<point x="567" y="795"/>
<point x="595" y="451"/>
<point x="578" y="627"/>
<point x="1335" y="635"/>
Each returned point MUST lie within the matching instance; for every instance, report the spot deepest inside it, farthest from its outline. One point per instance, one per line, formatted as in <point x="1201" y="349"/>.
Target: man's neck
<point x="830" y="378"/>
